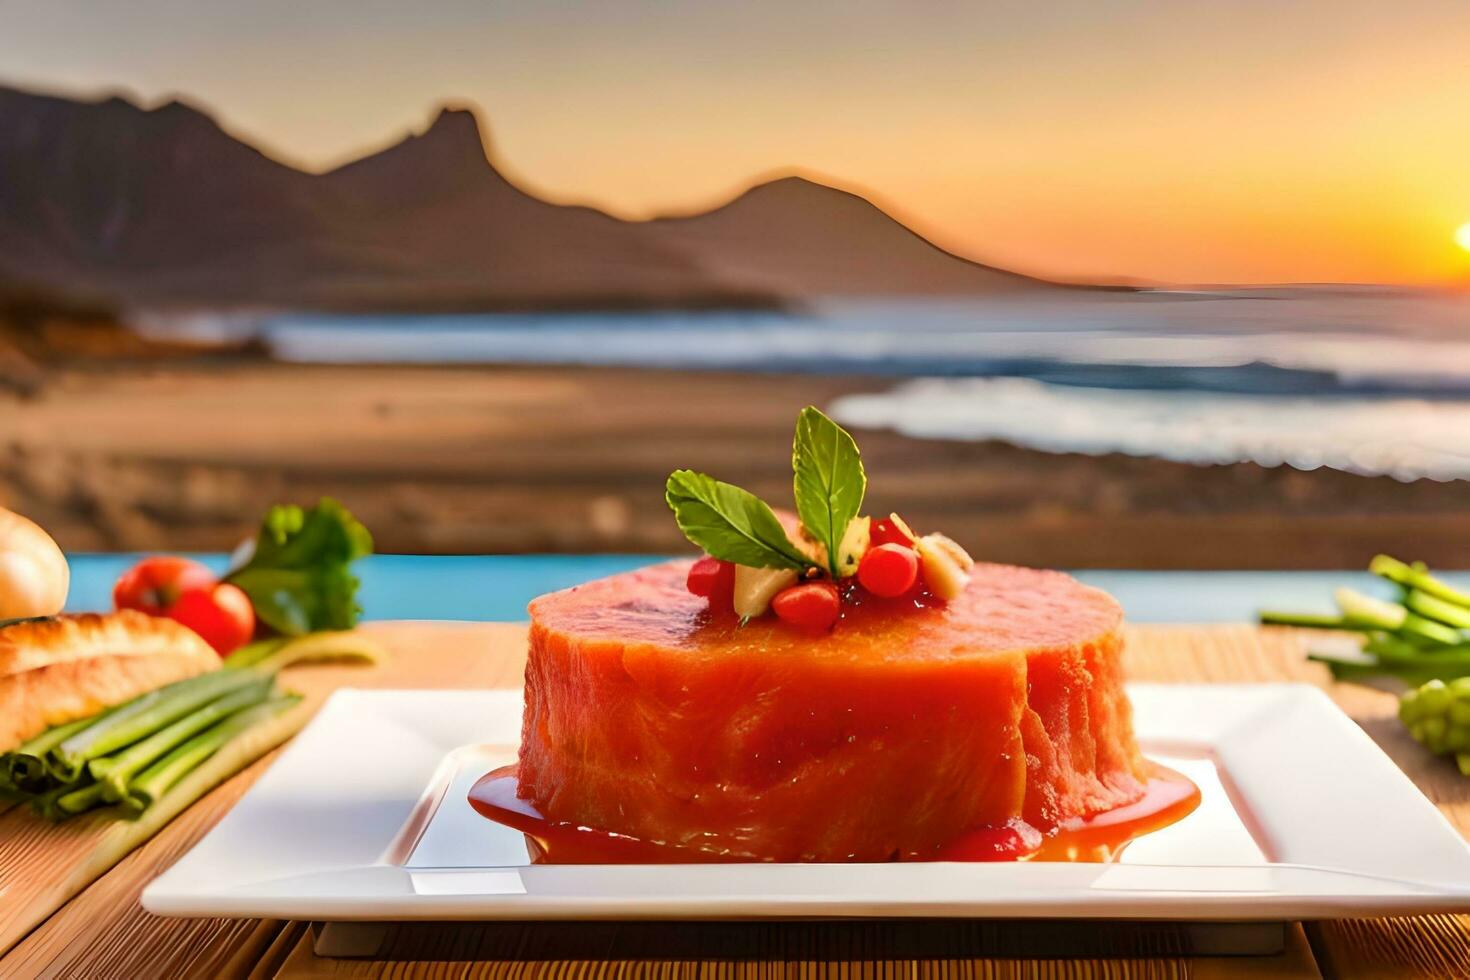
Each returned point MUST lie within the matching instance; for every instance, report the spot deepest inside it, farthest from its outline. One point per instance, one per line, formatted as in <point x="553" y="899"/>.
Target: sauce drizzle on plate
<point x="1168" y="797"/>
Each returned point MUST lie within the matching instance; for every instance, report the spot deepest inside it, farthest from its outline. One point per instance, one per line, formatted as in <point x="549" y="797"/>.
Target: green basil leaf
<point x="830" y="482"/>
<point x="730" y="523"/>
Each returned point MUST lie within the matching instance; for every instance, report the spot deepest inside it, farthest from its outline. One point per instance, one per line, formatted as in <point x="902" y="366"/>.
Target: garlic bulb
<point x="34" y="577"/>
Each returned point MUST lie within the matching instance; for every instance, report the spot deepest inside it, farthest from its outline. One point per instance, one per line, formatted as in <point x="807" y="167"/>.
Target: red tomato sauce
<point x="1168" y="798"/>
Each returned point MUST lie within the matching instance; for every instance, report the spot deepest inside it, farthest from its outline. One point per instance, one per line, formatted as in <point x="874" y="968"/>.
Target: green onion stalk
<point x="24" y="768"/>
<point x="252" y="654"/>
<point x="134" y="752"/>
<point x="159" y="777"/>
<point x="1422" y="639"/>
<point x="1423" y="635"/>
<point x="139" y="718"/>
<point x="1417" y="576"/>
<point x="48" y="804"/>
<point x="114" y="772"/>
<point x="139" y="773"/>
<point x="78" y="801"/>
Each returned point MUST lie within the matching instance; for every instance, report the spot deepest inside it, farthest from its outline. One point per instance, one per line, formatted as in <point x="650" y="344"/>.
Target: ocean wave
<point x="1403" y="437"/>
<point x="1249" y="344"/>
<point x="1366" y="382"/>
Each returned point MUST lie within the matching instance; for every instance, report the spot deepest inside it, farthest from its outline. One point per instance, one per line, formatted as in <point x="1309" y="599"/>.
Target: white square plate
<point x="364" y="817"/>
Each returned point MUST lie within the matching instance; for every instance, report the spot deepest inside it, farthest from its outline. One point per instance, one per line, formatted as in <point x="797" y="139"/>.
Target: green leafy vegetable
<point x="299" y="577"/>
<point x="829" y="482"/>
<point x="730" y="523"/>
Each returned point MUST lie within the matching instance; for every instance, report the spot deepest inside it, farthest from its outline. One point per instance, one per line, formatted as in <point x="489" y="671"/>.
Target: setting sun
<point x="1462" y="236"/>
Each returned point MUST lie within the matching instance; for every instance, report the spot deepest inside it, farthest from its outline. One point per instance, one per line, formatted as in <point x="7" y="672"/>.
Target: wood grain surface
<point x="103" y="932"/>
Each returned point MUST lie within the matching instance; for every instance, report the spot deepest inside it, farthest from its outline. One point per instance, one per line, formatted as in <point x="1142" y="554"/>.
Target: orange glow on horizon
<point x="1143" y="141"/>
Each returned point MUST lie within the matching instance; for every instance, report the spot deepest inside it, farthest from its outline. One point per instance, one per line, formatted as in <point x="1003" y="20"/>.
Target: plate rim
<point x="383" y="890"/>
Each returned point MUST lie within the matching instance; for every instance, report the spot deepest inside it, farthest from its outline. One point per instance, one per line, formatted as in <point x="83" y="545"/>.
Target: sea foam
<point x="1402" y="437"/>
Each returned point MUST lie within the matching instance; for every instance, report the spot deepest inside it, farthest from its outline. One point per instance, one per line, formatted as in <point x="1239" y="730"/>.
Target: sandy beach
<point x="184" y="455"/>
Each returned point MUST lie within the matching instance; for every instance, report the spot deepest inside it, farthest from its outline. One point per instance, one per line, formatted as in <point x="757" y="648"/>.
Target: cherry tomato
<point x="811" y="606"/>
<point x="891" y="530"/>
<point x="889" y="570"/>
<point x="223" y="616"/>
<point x="155" y="584"/>
<point x="713" y="579"/>
<point x="188" y="593"/>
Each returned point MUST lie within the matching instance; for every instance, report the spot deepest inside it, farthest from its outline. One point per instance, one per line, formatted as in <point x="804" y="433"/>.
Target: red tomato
<point x="223" y="616"/>
<point x="713" y="579"/>
<point x="188" y="593"/>
<point x="891" y="530"/>
<point x="812" y="606"/>
<point x="155" y="584"/>
<point x="889" y="570"/>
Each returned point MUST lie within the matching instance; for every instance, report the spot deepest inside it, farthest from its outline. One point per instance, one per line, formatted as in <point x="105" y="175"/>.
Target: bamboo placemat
<point x="103" y="933"/>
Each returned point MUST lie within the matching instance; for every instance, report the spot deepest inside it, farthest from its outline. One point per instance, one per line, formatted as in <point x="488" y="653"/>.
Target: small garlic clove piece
<point x="756" y="587"/>
<point x="944" y="565"/>
<point x="952" y="548"/>
<point x="855" y="541"/>
<point x="903" y="527"/>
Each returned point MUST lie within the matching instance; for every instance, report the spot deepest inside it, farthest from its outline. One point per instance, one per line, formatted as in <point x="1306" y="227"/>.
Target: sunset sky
<point x="1174" y="141"/>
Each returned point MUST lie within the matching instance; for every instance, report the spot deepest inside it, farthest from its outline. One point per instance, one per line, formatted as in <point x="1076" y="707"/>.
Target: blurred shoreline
<point x="183" y="453"/>
<point x="1376" y="383"/>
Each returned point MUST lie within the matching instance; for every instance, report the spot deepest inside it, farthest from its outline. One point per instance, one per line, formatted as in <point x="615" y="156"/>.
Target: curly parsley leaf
<point x="299" y="578"/>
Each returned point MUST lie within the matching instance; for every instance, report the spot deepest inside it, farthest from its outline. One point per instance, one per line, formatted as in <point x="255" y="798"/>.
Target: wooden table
<point x="103" y="933"/>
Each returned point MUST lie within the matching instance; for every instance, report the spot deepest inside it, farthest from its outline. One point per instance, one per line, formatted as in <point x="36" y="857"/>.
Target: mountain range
<point x="162" y="208"/>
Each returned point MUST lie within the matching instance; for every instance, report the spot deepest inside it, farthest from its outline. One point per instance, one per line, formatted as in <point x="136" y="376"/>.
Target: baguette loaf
<point x="57" y="670"/>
